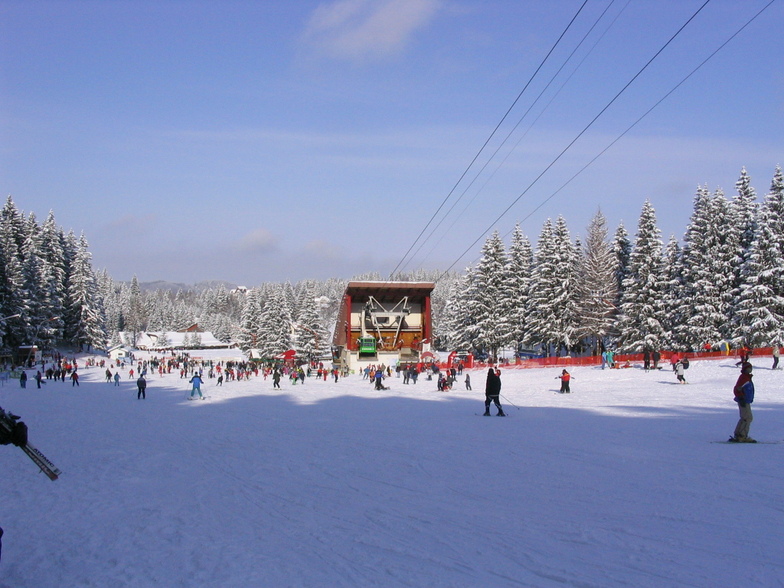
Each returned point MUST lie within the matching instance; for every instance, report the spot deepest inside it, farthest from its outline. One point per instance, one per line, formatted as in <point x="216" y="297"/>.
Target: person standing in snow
<point x="565" y="379"/>
<point x="23" y="380"/>
<point x="776" y="352"/>
<point x="116" y="378"/>
<point x="468" y="381"/>
<point x="141" y="384"/>
<point x="744" y="396"/>
<point x="276" y="379"/>
<point x="493" y="391"/>
<point x="196" y="381"/>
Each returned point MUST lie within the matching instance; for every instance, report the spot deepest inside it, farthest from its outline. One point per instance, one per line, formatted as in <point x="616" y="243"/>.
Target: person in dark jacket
<point x="493" y="391"/>
<point x="141" y="384"/>
<point x="744" y="396"/>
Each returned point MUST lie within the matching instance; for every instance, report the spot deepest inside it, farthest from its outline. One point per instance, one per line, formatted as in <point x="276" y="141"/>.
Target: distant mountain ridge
<point x="175" y="286"/>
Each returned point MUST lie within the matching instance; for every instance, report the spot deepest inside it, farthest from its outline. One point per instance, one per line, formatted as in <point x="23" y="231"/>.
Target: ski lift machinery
<point x="382" y="318"/>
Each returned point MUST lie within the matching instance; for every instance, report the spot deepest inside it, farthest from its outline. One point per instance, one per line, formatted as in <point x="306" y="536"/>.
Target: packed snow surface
<point x="336" y="484"/>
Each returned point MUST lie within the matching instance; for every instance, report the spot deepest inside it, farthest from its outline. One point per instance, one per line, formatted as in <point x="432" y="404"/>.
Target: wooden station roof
<point x="389" y="291"/>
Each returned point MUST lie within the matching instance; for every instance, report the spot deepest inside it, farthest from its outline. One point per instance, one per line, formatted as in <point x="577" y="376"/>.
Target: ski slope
<point x="336" y="484"/>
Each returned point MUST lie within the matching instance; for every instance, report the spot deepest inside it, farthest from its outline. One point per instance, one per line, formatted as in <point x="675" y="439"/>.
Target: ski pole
<point x="510" y="402"/>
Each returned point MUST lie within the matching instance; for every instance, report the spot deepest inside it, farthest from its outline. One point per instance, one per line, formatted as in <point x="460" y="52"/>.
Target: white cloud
<point x="368" y="29"/>
<point x="258" y="241"/>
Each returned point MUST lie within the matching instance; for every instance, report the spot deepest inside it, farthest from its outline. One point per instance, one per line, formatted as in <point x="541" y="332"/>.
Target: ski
<point x="47" y="467"/>
<point x="754" y="443"/>
<point x="8" y="422"/>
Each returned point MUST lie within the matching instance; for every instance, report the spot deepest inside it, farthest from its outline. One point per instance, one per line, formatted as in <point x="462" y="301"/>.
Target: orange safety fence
<point x="621" y="360"/>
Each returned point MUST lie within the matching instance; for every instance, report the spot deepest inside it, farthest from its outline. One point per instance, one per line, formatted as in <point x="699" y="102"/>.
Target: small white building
<point x="119" y="352"/>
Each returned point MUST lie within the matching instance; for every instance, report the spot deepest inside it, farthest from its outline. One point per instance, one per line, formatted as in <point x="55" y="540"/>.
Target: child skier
<point x="565" y="378"/>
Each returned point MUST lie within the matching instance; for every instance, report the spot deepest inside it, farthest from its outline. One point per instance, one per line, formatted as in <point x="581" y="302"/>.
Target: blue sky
<point x="270" y="140"/>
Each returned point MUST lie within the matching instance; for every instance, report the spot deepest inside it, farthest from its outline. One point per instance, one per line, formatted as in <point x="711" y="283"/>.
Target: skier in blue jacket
<point x="196" y="381"/>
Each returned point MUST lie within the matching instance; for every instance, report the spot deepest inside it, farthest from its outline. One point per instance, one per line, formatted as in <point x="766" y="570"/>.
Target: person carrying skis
<point x="565" y="379"/>
<point x="493" y="391"/>
<point x="744" y="396"/>
<point x="196" y="381"/>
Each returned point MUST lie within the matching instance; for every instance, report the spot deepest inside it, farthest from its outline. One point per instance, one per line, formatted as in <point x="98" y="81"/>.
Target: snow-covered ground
<point x="616" y="484"/>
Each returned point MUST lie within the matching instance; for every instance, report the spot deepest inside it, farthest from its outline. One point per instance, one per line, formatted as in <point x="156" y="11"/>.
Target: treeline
<point x="725" y="283"/>
<point x="48" y="291"/>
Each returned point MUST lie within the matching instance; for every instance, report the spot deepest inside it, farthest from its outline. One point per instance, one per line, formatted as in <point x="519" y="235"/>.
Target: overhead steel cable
<point x="517" y="144"/>
<point x="492" y="134"/>
<point x="646" y="113"/>
<point x="580" y="134"/>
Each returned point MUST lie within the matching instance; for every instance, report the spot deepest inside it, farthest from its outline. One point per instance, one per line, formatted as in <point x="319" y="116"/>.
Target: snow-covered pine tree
<point x="275" y="323"/>
<point x="85" y="309"/>
<point x="12" y="330"/>
<point x="310" y="336"/>
<point x="742" y="231"/>
<point x="707" y="283"/>
<point x="672" y="274"/>
<point x="164" y="341"/>
<point x="518" y="283"/>
<point x="455" y="319"/>
<point x="135" y="317"/>
<point x="50" y="247"/>
<point x="250" y="321"/>
<point x="622" y="249"/>
<point x="553" y="313"/>
<point x="643" y="315"/>
<point x="597" y="287"/>
<point x="760" y="309"/>
<point x="489" y="330"/>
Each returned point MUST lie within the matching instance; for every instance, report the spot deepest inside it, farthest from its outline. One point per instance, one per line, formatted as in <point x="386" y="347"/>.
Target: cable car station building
<point x="383" y="323"/>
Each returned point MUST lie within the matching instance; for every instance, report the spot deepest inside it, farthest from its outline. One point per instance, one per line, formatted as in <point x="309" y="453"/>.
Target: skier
<point x="646" y="359"/>
<point x="196" y="381"/>
<point x="276" y="379"/>
<point x="23" y="380"/>
<point x="38" y="378"/>
<point x="379" y="378"/>
<point x="74" y="378"/>
<point x="565" y="378"/>
<point x="744" y="396"/>
<point x="141" y="384"/>
<point x="493" y="391"/>
<point x="116" y="378"/>
<point x="656" y="357"/>
<point x="680" y="368"/>
<point x="776" y="352"/>
<point x="468" y="382"/>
